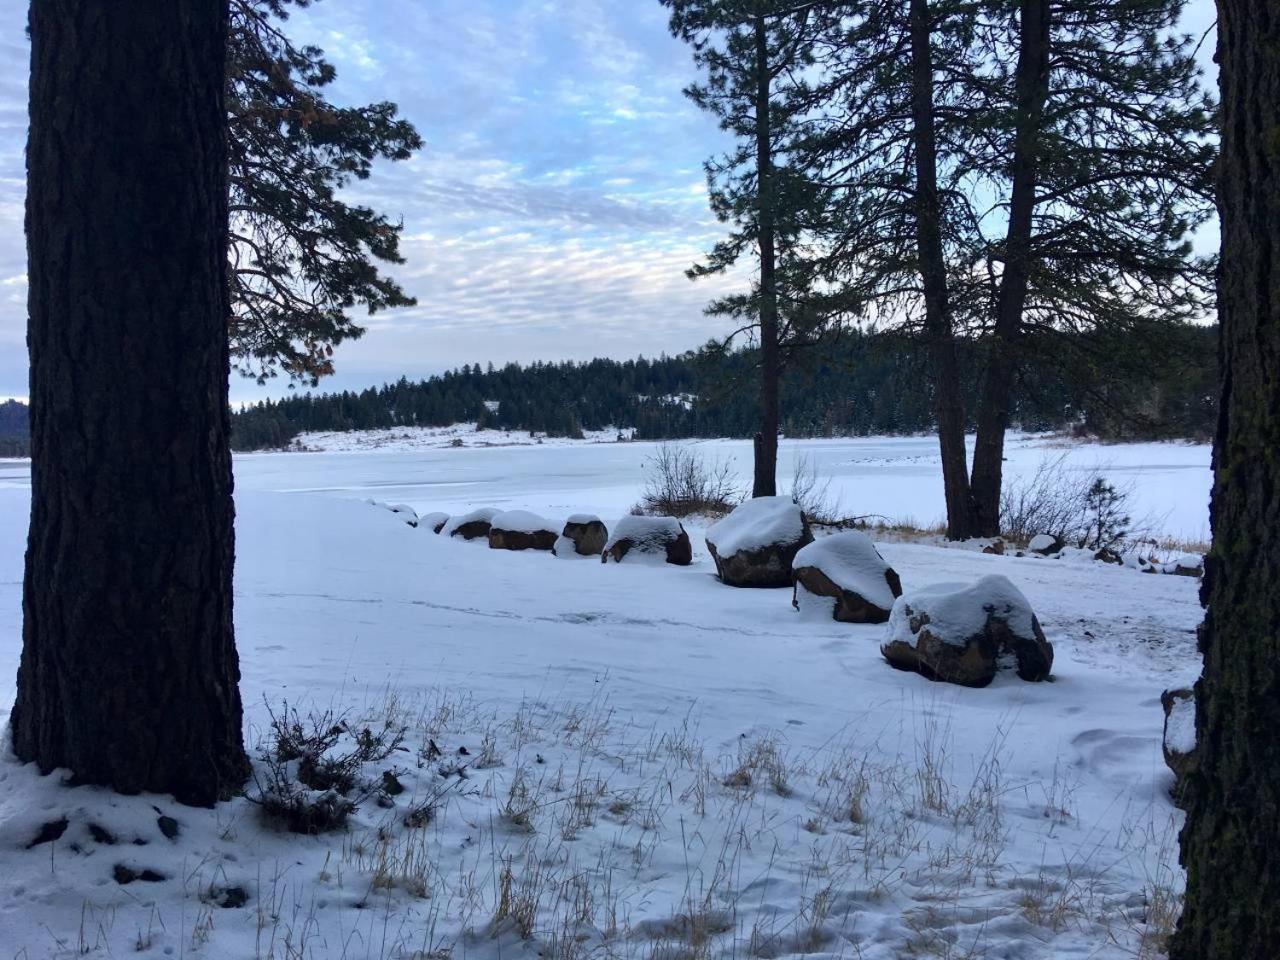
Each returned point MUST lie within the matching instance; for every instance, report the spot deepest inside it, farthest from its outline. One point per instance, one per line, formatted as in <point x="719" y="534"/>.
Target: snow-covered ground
<point x="653" y="765"/>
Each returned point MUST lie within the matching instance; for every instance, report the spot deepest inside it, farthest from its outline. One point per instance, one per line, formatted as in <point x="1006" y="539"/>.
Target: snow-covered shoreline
<point x="700" y="764"/>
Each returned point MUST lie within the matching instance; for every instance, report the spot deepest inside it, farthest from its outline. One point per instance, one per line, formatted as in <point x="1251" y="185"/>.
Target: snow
<point x="958" y="611"/>
<point x="405" y="439"/>
<point x="673" y="755"/>
<point x="520" y="521"/>
<point x="757" y="523"/>
<point x="1042" y="542"/>
<point x="1180" y="730"/>
<point x="850" y="561"/>
<point x="482" y="513"/>
<point x="582" y="518"/>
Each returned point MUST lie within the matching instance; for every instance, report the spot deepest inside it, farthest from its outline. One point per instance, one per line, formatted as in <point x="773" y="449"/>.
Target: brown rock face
<point x="851" y="606"/>
<point x="589" y="537"/>
<point x="471" y="530"/>
<point x="520" y="540"/>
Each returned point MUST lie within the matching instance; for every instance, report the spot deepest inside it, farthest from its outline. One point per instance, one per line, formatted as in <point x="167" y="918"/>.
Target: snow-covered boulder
<point x="520" y="530"/>
<point x="433" y="521"/>
<point x="846" y="568"/>
<point x="753" y="545"/>
<point x="584" y="535"/>
<point x="1108" y="555"/>
<point x="1045" y="544"/>
<point x="965" y="632"/>
<point x="663" y="536"/>
<point x="470" y="526"/>
<point x="1179" y="732"/>
<point x="404" y="512"/>
<point x="1187" y="565"/>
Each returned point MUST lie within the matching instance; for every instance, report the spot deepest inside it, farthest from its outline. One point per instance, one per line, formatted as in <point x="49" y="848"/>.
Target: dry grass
<point x="575" y="813"/>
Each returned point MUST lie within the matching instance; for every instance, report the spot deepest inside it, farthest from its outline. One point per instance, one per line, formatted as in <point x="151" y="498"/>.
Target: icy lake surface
<point x="895" y="477"/>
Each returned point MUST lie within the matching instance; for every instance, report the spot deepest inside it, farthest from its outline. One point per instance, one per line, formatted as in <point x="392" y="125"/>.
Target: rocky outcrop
<point x="652" y="536"/>
<point x="966" y="633"/>
<point x="755" y="544"/>
<point x="848" y="573"/>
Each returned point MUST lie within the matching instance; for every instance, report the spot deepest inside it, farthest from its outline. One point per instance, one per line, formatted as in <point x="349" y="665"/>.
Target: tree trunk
<point x="1031" y="81"/>
<point x="766" y="445"/>
<point x="1232" y="793"/>
<point x="948" y="405"/>
<point x="129" y="675"/>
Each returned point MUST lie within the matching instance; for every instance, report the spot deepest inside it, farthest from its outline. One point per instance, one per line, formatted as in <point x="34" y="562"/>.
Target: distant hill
<point x="864" y="385"/>
<point x="15" y="430"/>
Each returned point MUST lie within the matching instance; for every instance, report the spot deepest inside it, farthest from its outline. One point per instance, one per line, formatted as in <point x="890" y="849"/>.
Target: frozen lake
<point x="895" y="477"/>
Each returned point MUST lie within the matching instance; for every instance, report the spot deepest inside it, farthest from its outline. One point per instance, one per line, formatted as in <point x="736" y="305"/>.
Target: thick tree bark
<point x="129" y="675"/>
<point x="766" y="442"/>
<point x="948" y="403"/>
<point x="1232" y="793"/>
<point x="1031" y="83"/>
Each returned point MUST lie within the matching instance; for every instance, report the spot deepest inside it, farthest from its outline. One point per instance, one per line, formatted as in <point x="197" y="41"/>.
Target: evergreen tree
<point x="301" y="257"/>
<point x="1101" y="164"/>
<point x="884" y="121"/>
<point x="1232" y="792"/>
<point x="750" y="50"/>
<point x="129" y="675"/>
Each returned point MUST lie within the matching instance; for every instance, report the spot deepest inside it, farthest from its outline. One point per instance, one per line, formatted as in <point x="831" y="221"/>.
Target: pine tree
<point x="1100" y="160"/>
<point x="301" y="256"/>
<point x="1232" y="793"/>
<point x="129" y="675"/>
<point x="883" y="124"/>
<point x="750" y="50"/>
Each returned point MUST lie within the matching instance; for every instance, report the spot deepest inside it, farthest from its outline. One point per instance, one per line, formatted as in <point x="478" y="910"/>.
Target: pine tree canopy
<point x="301" y="257"/>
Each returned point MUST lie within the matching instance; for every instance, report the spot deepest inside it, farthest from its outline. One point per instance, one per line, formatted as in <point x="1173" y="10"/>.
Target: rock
<point x="1107" y="555"/>
<point x="585" y="534"/>
<point x="755" y="544"/>
<point x="964" y="633"/>
<point x="402" y="510"/>
<point x="848" y="568"/>
<point x="433" y="521"/>
<point x="1044" y="544"/>
<point x="995" y="548"/>
<point x="1179" y="733"/>
<point x="520" y="530"/>
<point x="470" y="526"/>
<point x="649" y="535"/>
<point x="1186" y="566"/>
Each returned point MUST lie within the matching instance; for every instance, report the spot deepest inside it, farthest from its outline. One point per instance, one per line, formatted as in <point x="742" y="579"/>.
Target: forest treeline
<point x="870" y="384"/>
<point x="865" y="384"/>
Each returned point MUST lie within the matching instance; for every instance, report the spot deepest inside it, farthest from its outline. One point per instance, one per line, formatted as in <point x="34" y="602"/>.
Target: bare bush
<point x="1082" y="509"/>
<point x="812" y="494"/>
<point x="313" y="781"/>
<point x="680" y="482"/>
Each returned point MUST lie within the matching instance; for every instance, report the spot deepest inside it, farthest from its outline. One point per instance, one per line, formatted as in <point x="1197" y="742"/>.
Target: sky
<point x="552" y="212"/>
